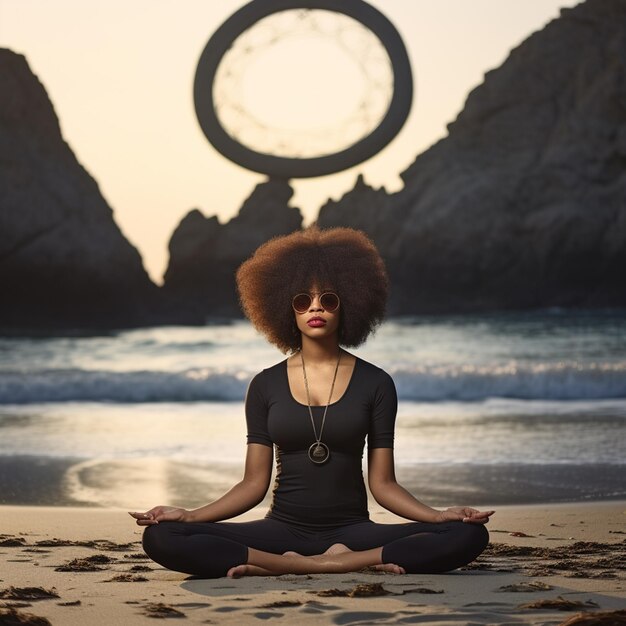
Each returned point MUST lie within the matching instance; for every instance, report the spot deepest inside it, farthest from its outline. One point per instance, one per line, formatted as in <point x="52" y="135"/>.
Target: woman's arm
<point x="245" y="495"/>
<point x="395" y="498"/>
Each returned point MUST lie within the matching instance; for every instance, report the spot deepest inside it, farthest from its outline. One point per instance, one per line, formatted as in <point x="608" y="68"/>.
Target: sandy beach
<point x="545" y="564"/>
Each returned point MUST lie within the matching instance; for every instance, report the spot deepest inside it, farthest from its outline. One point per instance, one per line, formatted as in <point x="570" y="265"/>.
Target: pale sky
<point x="120" y="76"/>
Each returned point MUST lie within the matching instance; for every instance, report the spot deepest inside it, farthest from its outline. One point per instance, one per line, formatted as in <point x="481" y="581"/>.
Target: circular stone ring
<point x="286" y="167"/>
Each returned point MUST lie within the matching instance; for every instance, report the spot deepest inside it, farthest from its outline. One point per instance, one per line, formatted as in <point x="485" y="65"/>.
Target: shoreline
<point x="87" y="506"/>
<point x="567" y="550"/>
<point x="32" y="480"/>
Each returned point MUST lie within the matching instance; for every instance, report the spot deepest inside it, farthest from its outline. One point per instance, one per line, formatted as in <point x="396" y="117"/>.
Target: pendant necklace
<point x="318" y="451"/>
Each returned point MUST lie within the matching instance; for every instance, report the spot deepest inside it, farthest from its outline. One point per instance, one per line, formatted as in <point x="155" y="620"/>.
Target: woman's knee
<point x="470" y="540"/>
<point x="155" y="540"/>
<point x="453" y="545"/>
<point x="477" y="536"/>
<point x="167" y="547"/>
<point x="174" y="546"/>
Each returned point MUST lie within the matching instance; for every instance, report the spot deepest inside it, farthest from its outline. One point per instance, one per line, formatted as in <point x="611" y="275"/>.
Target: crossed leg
<point x="238" y="549"/>
<point x="337" y="559"/>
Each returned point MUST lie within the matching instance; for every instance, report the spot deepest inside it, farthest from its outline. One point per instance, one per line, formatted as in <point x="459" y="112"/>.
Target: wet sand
<point x="545" y="565"/>
<point x="31" y="480"/>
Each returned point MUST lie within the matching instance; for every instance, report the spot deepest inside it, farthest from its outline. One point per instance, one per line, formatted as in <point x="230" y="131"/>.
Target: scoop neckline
<point x="321" y="406"/>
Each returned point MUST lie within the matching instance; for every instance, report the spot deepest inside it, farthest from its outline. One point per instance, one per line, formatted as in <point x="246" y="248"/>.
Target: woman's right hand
<point x="160" y="514"/>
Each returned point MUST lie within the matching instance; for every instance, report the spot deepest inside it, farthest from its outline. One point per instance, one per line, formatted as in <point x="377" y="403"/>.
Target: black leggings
<point x="210" y="549"/>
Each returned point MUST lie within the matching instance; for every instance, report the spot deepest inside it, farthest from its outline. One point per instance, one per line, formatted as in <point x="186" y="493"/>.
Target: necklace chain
<point x="308" y="397"/>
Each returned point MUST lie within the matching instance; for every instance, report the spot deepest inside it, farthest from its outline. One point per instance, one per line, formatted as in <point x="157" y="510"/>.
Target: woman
<point x="311" y="293"/>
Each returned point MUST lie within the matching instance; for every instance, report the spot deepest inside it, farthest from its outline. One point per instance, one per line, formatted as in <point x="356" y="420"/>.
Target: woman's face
<point x="316" y="322"/>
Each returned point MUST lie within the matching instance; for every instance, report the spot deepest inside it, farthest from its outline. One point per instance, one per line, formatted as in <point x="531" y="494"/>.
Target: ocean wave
<point x="540" y="381"/>
<point x="75" y="385"/>
<point x="548" y="381"/>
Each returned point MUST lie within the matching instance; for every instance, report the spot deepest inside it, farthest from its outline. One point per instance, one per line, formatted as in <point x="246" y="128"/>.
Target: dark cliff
<point x="204" y="254"/>
<point x="523" y="204"/>
<point x="63" y="260"/>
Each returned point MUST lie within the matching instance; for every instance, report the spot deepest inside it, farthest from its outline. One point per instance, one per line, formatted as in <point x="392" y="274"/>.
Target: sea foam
<point x="545" y="381"/>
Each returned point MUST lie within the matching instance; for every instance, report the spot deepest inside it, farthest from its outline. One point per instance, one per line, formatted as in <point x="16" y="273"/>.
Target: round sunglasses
<point x="328" y="300"/>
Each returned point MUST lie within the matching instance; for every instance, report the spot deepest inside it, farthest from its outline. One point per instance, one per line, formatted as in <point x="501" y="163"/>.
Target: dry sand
<point x="554" y="559"/>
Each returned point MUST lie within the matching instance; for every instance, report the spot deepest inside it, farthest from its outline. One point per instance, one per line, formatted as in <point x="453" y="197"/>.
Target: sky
<point x="120" y="75"/>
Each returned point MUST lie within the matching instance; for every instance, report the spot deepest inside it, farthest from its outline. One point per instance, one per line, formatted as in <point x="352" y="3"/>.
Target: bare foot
<point x="337" y="548"/>
<point x="337" y="559"/>
<point x="240" y="571"/>
<point x="254" y="570"/>
<point x="390" y="568"/>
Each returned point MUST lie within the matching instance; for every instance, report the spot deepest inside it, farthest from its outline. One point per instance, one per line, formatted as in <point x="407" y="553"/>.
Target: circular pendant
<point x="319" y="452"/>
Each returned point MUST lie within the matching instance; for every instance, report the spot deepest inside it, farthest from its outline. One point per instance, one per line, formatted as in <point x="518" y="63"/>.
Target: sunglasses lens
<point x="301" y="302"/>
<point x="329" y="301"/>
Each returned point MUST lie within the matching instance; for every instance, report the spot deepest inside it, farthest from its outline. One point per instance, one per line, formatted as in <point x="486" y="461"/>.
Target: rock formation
<point x="204" y="254"/>
<point x="63" y="260"/>
<point x="523" y="204"/>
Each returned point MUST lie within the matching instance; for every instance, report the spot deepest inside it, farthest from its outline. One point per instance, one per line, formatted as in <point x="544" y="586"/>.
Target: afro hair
<point x="343" y="260"/>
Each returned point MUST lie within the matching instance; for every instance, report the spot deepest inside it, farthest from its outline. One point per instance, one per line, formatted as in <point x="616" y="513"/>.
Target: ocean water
<point x="494" y="409"/>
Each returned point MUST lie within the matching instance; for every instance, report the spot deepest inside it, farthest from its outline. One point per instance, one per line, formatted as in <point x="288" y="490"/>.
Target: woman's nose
<point x="316" y="304"/>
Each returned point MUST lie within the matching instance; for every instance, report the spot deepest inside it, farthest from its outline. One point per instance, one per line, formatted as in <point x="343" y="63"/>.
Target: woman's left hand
<point x="465" y="514"/>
